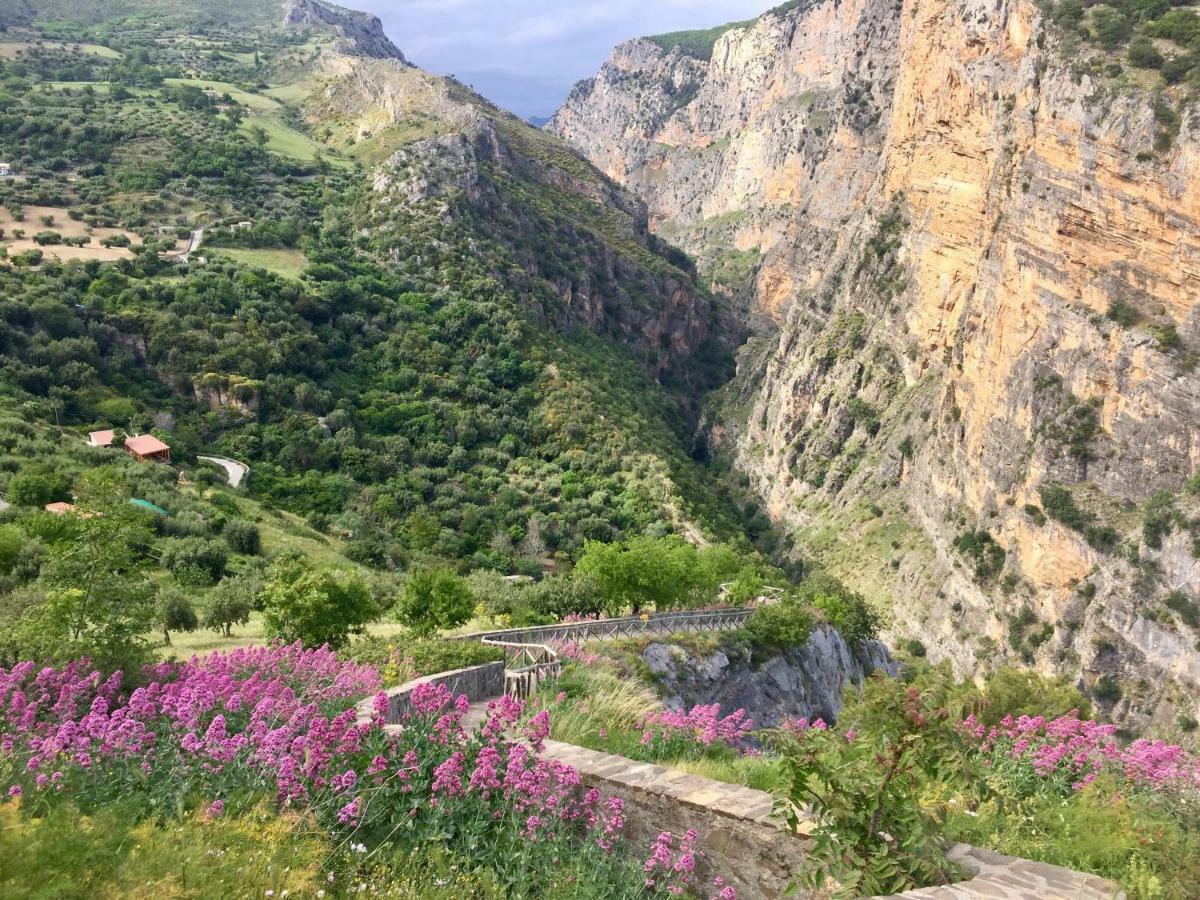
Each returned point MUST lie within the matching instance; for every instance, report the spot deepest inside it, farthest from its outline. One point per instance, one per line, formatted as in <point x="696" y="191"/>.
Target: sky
<point x="525" y="55"/>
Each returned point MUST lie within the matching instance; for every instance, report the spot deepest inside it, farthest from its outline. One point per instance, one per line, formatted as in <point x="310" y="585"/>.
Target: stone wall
<point x="483" y="682"/>
<point x="725" y="619"/>
<point x="747" y="845"/>
<point x="743" y="841"/>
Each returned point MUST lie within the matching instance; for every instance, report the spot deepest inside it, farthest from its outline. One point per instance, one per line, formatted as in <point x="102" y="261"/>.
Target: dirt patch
<point x="67" y="227"/>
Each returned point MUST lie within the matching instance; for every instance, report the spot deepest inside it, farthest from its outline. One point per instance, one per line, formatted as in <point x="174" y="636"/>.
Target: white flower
<point x="320" y="893"/>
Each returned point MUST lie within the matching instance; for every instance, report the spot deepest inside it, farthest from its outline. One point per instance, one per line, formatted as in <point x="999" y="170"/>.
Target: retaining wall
<point x="748" y="846"/>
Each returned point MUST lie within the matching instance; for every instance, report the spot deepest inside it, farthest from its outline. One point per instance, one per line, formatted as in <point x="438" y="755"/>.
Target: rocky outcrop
<point x="452" y="163"/>
<point x="975" y="279"/>
<point x="360" y="34"/>
<point x="801" y="682"/>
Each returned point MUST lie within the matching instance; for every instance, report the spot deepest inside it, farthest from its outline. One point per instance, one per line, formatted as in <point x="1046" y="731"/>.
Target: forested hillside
<point x="488" y="373"/>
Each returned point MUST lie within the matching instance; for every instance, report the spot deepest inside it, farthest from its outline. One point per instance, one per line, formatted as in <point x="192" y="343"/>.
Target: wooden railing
<point x="526" y="666"/>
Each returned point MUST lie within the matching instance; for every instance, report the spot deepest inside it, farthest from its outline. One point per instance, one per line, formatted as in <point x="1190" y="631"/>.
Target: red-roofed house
<point x="101" y="438"/>
<point x="146" y="447"/>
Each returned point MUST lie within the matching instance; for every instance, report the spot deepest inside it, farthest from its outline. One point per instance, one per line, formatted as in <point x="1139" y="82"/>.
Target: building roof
<point x="101" y="438"/>
<point x="145" y="445"/>
<point x="59" y="508"/>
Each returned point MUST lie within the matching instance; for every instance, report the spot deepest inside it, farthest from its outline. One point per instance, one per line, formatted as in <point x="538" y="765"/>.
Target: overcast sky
<point x="525" y="54"/>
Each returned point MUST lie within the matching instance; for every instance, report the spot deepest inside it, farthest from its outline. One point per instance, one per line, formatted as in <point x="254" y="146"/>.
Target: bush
<point x="1143" y="54"/>
<point x="985" y="554"/>
<point x="243" y="537"/>
<point x="849" y="612"/>
<point x="1123" y="313"/>
<point x="566" y="595"/>
<point x="433" y="599"/>
<point x="195" y="561"/>
<point x="780" y="626"/>
<point x="38" y="488"/>
<point x="1015" y="692"/>
<point x="1107" y="689"/>
<point x="314" y="606"/>
<point x="865" y="788"/>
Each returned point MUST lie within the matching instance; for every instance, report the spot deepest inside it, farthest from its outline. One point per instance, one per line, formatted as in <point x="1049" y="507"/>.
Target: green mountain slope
<point x="428" y="327"/>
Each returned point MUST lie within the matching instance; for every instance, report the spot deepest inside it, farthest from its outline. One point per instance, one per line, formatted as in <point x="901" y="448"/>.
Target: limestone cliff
<point x="975" y="276"/>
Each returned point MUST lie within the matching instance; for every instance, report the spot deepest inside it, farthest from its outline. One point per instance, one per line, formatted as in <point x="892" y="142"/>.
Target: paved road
<point x="194" y="242"/>
<point x="235" y="470"/>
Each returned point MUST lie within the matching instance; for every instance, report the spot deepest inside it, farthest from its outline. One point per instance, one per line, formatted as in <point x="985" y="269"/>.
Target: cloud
<point x="526" y="54"/>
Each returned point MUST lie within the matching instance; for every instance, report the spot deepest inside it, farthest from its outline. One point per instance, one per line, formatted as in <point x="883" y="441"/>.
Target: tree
<point x="642" y="571"/>
<point x="433" y="599"/>
<point x="195" y="561"/>
<point x="38" y="488"/>
<point x="12" y="539"/>
<point x="175" y="613"/>
<point x="230" y="603"/>
<point x="99" y="603"/>
<point x="314" y="606"/>
<point x="243" y="537"/>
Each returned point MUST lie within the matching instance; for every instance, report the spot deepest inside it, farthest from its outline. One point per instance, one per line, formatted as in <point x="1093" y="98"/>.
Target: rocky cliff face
<point x="973" y="391"/>
<point x="360" y="34"/>
<point x="802" y="682"/>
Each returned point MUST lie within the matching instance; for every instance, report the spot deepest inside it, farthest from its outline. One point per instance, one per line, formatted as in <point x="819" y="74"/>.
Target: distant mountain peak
<point x="361" y="31"/>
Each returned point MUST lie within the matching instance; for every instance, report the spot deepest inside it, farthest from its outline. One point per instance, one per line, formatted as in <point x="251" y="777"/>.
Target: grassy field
<point x="252" y="634"/>
<point x="290" y="93"/>
<point x="11" y="49"/>
<point x="288" y="263"/>
<point x="255" y="101"/>
<point x="285" y="140"/>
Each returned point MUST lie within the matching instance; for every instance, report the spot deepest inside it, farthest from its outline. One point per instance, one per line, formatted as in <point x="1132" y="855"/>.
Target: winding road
<point x="235" y="470"/>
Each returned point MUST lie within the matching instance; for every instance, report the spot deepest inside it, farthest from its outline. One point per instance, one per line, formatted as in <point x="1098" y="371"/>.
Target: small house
<point x="147" y="448"/>
<point x="5" y="170"/>
<point x="101" y="438"/>
<point x="60" y="508"/>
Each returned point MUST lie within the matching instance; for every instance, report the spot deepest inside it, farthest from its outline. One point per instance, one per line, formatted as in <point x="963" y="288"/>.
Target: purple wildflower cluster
<point x="674" y="732"/>
<point x="672" y="867"/>
<point x="1075" y="751"/>
<point x="221" y="733"/>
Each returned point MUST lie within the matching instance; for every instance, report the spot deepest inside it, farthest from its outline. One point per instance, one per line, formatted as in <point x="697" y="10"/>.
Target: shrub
<point x="243" y="537"/>
<point x="1143" y="54"/>
<point x="195" y="561"/>
<point x="38" y="488"/>
<point x="402" y="658"/>
<point x="865" y="786"/>
<point x="986" y="555"/>
<point x="1016" y="692"/>
<point x="314" y="606"/>
<point x="1159" y="519"/>
<point x="1123" y="313"/>
<point x="1187" y="610"/>
<point x="433" y="599"/>
<point x="849" y="613"/>
<point x="561" y="595"/>
<point x="780" y="626"/>
<point x="1107" y="689"/>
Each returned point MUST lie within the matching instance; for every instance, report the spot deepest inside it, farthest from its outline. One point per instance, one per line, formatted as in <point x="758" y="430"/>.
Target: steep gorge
<point x="972" y="390"/>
